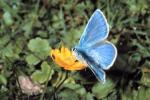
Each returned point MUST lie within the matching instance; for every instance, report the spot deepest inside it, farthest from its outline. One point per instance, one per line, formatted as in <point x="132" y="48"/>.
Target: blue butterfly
<point x="93" y="49"/>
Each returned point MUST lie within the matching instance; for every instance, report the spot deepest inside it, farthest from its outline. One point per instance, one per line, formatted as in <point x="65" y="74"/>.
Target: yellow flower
<point x="65" y="58"/>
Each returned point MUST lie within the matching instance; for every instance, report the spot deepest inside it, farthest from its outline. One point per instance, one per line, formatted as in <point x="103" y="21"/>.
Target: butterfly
<point x="93" y="48"/>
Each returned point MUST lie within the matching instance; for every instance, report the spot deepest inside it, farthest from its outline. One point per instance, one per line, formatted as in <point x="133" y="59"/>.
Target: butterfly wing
<point x="98" y="72"/>
<point x="98" y="55"/>
<point x="103" y="54"/>
<point x="96" y="69"/>
<point x="96" y="30"/>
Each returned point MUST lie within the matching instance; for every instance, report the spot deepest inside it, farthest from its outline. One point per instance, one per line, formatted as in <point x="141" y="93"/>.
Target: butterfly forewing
<point x="96" y="30"/>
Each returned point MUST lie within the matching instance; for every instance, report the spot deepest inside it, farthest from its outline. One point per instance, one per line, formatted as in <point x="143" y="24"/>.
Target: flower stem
<point x="45" y="87"/>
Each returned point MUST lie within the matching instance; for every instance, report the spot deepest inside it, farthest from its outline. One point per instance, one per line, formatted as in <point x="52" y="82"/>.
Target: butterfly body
<point x="93" y="49"/>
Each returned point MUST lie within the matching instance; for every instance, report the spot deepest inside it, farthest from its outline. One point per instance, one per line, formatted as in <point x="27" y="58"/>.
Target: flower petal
<point x="65" y="58"/>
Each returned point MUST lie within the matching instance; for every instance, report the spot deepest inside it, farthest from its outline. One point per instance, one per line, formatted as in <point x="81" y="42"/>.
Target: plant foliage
<point x="30" y="28"/>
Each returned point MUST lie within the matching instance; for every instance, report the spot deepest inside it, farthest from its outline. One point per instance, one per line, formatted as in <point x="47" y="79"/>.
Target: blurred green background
<point x="29" y="29"/>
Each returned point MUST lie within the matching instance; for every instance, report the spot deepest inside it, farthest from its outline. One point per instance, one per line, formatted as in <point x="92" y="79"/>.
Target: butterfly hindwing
<point x="96" y="69"/>
<point x="98" y="72"/>
<point x="103" y="54"/>
<point x="96" y="30"/>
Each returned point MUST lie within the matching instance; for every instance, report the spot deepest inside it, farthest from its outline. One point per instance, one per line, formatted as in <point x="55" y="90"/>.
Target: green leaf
<point x="27" y="28"/>
<point x="145" y="77"/>
<point x="3" y="93"/>
<point x="3" y="80"/>
<point x="89" y="96"/>
<point x="44" y="74"/>
<point x="141" y="94"/>
<point x="76" y="87"/>
<point x="9" y="51"/>
<point x="8" y="18"/>
<point x="38" y="76"/>
<point x="42" y="34"/>
<point x="4" y="40"/>
<point x="32" y="60"/>
<point x="39" y="46"/>
<point x="45" y="68"/>
<point x="67" y="95"/>
<point x="101" y="90"/>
